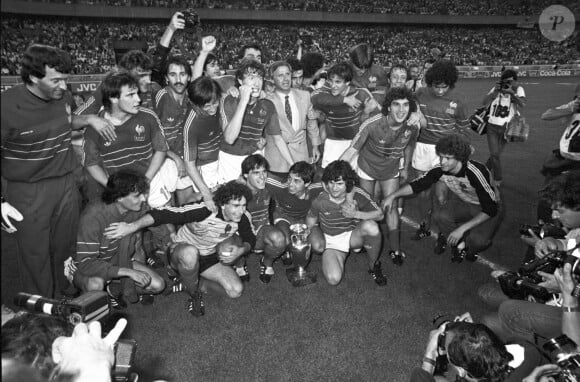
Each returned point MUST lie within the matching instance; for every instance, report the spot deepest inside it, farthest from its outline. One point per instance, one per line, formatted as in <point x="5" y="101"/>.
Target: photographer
<point x="523" y="319"/>
<point x="475" y="353"/>
<point x="56" y="350"/>
<point x="504" y="99"/>
<point x="567" y="156"/>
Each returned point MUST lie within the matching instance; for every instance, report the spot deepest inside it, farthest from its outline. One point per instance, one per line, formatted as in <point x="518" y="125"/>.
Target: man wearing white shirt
<point x="297" y="122"/>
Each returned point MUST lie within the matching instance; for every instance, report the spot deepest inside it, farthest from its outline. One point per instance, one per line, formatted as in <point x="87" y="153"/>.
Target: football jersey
<point x="198" y="218"/>
<point x="329" y="213"/>
<point x="258" y="208"/>
<point x="36" y="136"/>
<point x="172" y="116"/>
<point x="381" y="148"/>
<point x="342" y="121"/>
<point x="202" y="135"/>
<point x="290" y="206"/>
<point x="570" y="140"/>
<point x="259" y="119"/>
<point x="471" y="184"/>
<point x="97" y="255"/>
<point x="136" y="141"/>
<point x="445" y="115"/>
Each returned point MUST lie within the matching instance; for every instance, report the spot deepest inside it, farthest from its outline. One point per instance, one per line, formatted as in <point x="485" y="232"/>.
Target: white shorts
<point x="163" y="184"/>
<point x="363" y="175"/>
<point x="340" y="242"/>
<point x="209" y="173"/>
<point x="424" y="157"/>
<point x="333" y="149"/>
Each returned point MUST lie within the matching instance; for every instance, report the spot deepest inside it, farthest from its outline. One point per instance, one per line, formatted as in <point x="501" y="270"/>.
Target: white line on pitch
<point x="480" y="259"/>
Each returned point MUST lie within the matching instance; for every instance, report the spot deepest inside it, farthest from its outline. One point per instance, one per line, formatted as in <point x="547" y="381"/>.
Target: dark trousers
<point x="456" y="212"/>
<point x="496" y="143"/>
<point x="47" y="235"/>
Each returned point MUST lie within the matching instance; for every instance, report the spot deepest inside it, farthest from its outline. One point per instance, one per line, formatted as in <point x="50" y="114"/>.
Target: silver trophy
<point x="300" y="251"/>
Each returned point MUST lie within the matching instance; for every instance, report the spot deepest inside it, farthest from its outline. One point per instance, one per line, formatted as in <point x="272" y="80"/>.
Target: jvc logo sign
<point x="87" y="87"/>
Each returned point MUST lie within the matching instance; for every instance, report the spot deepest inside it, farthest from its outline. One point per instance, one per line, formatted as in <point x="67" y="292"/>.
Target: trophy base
<point x="300" y="277"/>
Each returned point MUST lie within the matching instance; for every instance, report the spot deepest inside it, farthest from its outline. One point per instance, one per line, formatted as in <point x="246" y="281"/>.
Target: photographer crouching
<point x="473" y="352"/>
<point x="535" y="321"/>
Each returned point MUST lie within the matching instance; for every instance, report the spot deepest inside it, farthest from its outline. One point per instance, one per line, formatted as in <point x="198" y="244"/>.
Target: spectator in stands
<point x="345" y="224"/>
<point x="446" y="114"/>
<point x="504" y="100"/>
<point x="40" y="200"/>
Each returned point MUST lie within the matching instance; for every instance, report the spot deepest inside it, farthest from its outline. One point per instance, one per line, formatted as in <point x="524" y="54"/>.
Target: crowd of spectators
<point x="90" y="43"/>
<point x="420" y="7"/>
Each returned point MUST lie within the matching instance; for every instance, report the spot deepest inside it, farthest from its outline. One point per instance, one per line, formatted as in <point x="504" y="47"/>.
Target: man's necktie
<point x="288" y="110"/>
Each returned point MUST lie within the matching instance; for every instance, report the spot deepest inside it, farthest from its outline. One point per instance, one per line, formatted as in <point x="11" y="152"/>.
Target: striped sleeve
<point x="189" y="138"/>
<point x="180" y="215"/>
<point x="479" y="178"/>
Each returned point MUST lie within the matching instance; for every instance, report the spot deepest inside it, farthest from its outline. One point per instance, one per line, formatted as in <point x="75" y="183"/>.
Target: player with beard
<point x="383" y="140"/>
<point x="172" y="105"/>
<point x="468" y="216"/>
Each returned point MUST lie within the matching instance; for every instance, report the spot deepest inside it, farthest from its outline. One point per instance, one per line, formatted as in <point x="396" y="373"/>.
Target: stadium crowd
<point x="90" y="43"/>
<point x="415" y="7"/>
<point x="187" y="172"/>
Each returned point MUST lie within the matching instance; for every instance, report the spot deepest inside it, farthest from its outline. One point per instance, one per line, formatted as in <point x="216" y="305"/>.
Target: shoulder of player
<point x="266" y="103"/>
<point x="147" y="114"/>
<point x="160" y="95"/>
<point x="477" y="169"/>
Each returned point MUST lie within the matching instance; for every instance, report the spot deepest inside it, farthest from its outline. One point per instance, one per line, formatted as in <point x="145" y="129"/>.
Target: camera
<point x="562" y="352"/>
<point x="523" y="284"/>
<point x="543" y="230"/>
<point x="504" y="85"/>
<point x="90" y="306"/>
<point x="191" y="18"/>
<point x="441" y="362"/>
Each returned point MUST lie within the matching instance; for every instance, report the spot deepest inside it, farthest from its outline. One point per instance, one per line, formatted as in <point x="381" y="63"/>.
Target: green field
<point x="356" y="331"/>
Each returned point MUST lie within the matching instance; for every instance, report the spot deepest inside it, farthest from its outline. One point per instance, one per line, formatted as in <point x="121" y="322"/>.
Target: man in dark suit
<point x="297" y="122"/>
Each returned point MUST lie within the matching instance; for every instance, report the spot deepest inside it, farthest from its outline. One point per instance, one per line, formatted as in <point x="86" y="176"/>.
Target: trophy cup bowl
<point x="300" y="249"/>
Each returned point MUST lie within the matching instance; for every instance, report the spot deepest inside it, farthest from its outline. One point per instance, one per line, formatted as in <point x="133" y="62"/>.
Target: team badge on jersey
<point x="452" y="108"/>
<point x="140" y="130"/>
